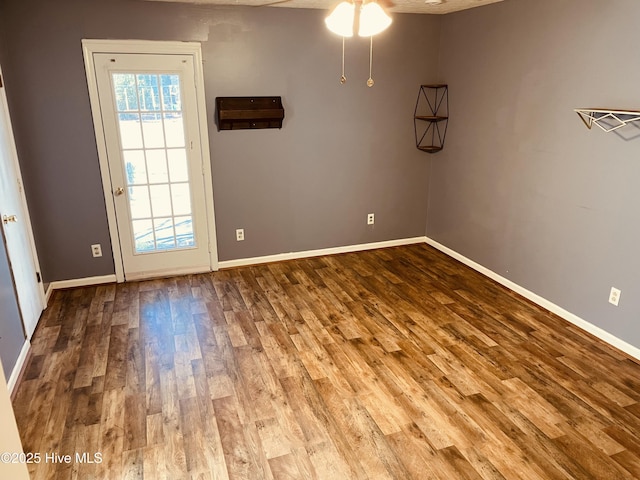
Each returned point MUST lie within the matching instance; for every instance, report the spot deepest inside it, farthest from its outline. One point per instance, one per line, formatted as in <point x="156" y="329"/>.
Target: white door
<point x="17" y="227"/>
<point x="149" y="114"/>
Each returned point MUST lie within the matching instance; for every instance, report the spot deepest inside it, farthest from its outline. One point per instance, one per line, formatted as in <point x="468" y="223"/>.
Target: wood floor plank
<point x="398" y="363"/>
<point x="116" y="370"/>
<point x="284" y="467"/>
<point x="234" y="443"/>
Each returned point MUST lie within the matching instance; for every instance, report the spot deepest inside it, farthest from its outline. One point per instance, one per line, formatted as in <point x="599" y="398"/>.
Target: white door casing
<point x="15" y="221"/>
<point x="120" y="75"/>
<point x="10" y="438"/>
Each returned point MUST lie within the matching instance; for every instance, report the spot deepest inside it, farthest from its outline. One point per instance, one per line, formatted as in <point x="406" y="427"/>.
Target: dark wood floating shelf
<point x="431" y="117"/>
<point x="236" y="113"/>
<point x="430" y="148"/>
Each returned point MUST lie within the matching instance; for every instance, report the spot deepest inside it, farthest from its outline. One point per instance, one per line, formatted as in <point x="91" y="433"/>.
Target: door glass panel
<point x="152" y="141"/>
<point x="152" y="129"/>
<point x="130" y="134"/>
<point x="157" y="162"/>
<point x="148" y="92"/>
<point x="181" y="199"/>
<point x="143" y="234"/>
<point x="184" y="231"/>
<point x="173" y="129"/>
<point x="171" y="93"/>
<point x="124" y="85"/>
<point x="165" y="236"/>
<point x="160" y="200"/>
<point x="139" y="202"/>
<point x="178" y="169"/>
<point x="135" y="167"/>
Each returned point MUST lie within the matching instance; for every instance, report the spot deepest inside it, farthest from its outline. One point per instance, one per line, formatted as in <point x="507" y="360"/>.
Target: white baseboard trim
<point x="15" y="373"/>
<point x="242" y="262"/>
<point x="47" y="295"/>
<point x="174" y="272"/>
<point x="78" y="282"/>
<point x="543" y="302"/>
<point x="535" y="298"/>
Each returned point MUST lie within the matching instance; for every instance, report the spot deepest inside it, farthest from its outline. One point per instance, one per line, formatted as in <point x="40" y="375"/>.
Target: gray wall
<point x="522" y="186"/>
<point x="344" y="151"/>
<point x="11" y="334"/>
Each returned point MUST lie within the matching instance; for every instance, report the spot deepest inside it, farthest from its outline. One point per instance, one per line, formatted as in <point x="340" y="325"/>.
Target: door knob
<point x="119" y="191"/>
<point x="10" y="218"/>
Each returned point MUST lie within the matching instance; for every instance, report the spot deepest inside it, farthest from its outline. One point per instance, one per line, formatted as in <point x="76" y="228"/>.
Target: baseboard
<point x="17" y="368"/>
<point x="83" y="282"/>
<point x="241" y="262"/>
<point x="78" y="282"/>
<point x="47" y="295"/>
<point x="166" y="273"/>
<point x="535" y="298"/>
<point x="543" y="302"/>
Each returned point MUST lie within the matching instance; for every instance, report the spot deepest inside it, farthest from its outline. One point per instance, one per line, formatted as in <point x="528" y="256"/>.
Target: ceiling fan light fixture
<point x="340" y="21"/>
<point x="373" y="20"/>
<point x="370" y="18"/>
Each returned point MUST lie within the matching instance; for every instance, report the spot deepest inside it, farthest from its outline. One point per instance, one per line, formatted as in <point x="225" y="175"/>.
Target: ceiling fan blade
<point x="269" y="4"/>
<point x="387" y="3"/>
<point x="383" y="3"/>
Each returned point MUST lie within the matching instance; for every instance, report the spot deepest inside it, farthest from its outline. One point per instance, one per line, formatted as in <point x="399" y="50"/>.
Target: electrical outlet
<point x="96" y="250"/>
<point x="239" y="234"/>
<point x="614" y="296"/>
<point x="371" y="219"/>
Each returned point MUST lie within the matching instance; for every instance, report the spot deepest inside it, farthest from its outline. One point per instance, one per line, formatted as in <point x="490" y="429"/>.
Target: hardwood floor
<point x="397" y="363"/>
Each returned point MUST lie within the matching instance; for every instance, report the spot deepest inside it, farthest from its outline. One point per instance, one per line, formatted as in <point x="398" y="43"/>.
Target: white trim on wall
<point x="88" y="281"/>
<point x="317" y="253"/>
<point x="17" y="368"/>
<point x="173" y="272"/>
<point x="535" y="298"/>
<point x="79" y="282"/>
<point x="92" y="84"/>
<point x="543" y="302"/>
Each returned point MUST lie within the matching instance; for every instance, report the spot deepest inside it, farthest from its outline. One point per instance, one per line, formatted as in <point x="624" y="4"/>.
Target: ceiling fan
<point x="367" y="17"/>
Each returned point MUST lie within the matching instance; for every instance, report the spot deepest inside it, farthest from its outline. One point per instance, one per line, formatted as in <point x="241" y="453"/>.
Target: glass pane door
<point x="150" y="113"/>
<point x="153" y="147"/>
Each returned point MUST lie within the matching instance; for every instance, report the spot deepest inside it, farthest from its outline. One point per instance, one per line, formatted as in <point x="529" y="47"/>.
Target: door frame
<point x="89" y="47"/>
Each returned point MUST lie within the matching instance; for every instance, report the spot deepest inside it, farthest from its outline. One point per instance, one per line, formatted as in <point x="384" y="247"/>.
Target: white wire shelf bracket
<point x="606" y="119"/>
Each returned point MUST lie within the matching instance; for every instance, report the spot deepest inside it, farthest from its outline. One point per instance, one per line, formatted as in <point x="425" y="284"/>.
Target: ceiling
<point x="401" y="6"/>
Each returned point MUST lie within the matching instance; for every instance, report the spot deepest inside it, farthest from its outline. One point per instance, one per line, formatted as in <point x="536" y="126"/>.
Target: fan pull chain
<point x="343" y="79"/>
<point x="370" y="82"/>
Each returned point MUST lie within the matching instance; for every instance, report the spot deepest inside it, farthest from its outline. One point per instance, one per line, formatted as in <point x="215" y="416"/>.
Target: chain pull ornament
<point x="370" y="82"/>
<point x="343" y="79"/>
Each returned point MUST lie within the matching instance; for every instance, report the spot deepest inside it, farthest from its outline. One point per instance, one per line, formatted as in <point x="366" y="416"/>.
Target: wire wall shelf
<point x="431" y="117"/>
<point x="607" y="119"/>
